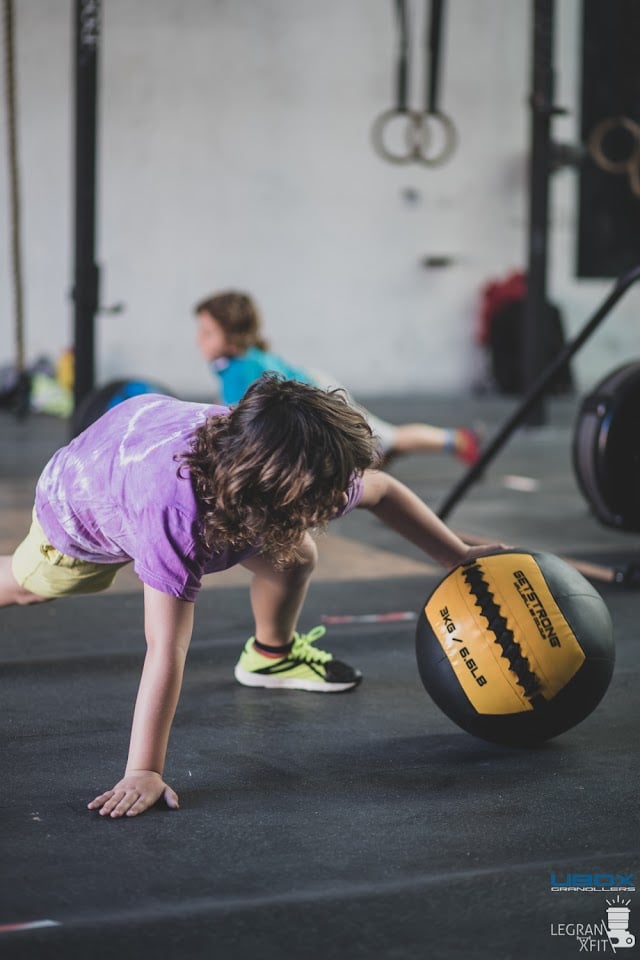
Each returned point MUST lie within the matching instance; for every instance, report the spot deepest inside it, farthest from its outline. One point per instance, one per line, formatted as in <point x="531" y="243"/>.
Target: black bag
<point x="505" y="345"/>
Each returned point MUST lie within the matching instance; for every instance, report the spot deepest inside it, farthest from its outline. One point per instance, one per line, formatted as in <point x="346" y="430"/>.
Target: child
<point x="229" y="337"/>
<point x="182" y="489"/>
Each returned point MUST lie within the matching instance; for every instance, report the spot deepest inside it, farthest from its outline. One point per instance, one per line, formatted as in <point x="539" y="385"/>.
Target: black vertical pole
<point x="536" y="315"/>
<point x="14" y="181"/>
<point x="86" y="274"/>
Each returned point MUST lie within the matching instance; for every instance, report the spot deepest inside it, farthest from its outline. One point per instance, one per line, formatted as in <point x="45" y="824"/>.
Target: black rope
<point x="536" y="391"/>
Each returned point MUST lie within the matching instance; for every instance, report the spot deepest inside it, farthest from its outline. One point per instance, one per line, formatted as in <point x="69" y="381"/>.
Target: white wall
<point x="235" y="151"/>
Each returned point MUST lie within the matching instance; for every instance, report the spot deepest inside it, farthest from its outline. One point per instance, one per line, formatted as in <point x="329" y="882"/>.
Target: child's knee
<point x="11" y="591"/>
<point x="307" y="557"/>
<point x="24" y="598"/>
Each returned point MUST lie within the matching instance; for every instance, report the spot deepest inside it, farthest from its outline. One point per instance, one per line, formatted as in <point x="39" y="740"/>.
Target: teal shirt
<point x="238" y="373"/>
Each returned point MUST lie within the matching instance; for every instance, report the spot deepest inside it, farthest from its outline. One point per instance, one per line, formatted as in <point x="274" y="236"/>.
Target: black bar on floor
<point x="537" y="391"/>
<point x="86" y="273"/>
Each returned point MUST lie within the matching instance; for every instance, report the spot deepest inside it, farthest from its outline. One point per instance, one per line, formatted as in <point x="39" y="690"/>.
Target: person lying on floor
<point x="184" y="489"/>
<point x="229" y="336"/>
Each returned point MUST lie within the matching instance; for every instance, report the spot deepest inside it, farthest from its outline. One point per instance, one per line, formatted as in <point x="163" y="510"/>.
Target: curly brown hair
<point x="238" y="315"/>
<point x="277" y="465"/>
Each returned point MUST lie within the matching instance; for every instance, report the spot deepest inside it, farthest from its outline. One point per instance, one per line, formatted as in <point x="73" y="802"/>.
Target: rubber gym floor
<point x="358" y="825"/>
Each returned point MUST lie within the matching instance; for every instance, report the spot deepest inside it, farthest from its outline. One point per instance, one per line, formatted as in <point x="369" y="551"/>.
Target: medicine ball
<point x="606" y="448"/>
<point x="515" y="647"/>
<point x="101" y="399"/>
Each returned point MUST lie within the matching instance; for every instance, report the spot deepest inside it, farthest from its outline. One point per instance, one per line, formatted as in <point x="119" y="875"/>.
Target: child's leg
<point x="10" y="590"/>
<point x="277" y="595"/>
<point x="37" y="571"/>
<point x="278" y="656"/>
<point x="420" y="437"/>
<point x="424" y="438"/>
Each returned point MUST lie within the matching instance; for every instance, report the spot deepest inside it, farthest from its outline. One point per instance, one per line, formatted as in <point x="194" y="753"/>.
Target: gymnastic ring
<point x="379" y="129"/>
<point x="634" y="175"/>
<point x="422" y="138"/>
<point x="595" y="144"/>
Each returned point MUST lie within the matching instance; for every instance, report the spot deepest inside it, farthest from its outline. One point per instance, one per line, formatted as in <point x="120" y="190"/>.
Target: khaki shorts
<point x="43" y="570"/>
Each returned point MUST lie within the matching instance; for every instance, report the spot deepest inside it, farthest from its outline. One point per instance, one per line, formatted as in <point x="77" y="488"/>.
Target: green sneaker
<point x="304" y="668"/>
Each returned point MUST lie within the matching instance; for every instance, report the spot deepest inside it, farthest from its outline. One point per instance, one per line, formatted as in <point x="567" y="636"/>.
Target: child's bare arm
<point x="403" y="511"/>
<point x="168" y="627"/>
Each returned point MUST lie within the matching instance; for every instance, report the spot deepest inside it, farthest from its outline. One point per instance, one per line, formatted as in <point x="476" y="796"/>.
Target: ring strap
<point x="433" y="43"/>
<point x="402" y="66"/>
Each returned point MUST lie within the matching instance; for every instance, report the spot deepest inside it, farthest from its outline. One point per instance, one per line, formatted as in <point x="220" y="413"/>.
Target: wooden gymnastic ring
<point x="379" y="128"/>
<point x="595" y="144"/>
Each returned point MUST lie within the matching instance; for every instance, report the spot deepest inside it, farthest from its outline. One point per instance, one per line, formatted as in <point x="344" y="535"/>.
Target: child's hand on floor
<point x="137" y="791"/>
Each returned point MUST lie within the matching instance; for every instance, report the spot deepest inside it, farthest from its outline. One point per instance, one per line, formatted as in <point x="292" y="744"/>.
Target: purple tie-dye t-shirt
<point x="114" y="494"/>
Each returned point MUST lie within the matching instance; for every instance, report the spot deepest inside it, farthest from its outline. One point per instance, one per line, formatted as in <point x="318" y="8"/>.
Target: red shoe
<point x="467" y="445"/>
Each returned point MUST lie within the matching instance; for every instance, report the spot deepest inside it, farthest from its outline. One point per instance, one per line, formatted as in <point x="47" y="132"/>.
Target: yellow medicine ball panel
<point x="498" y="673"/>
